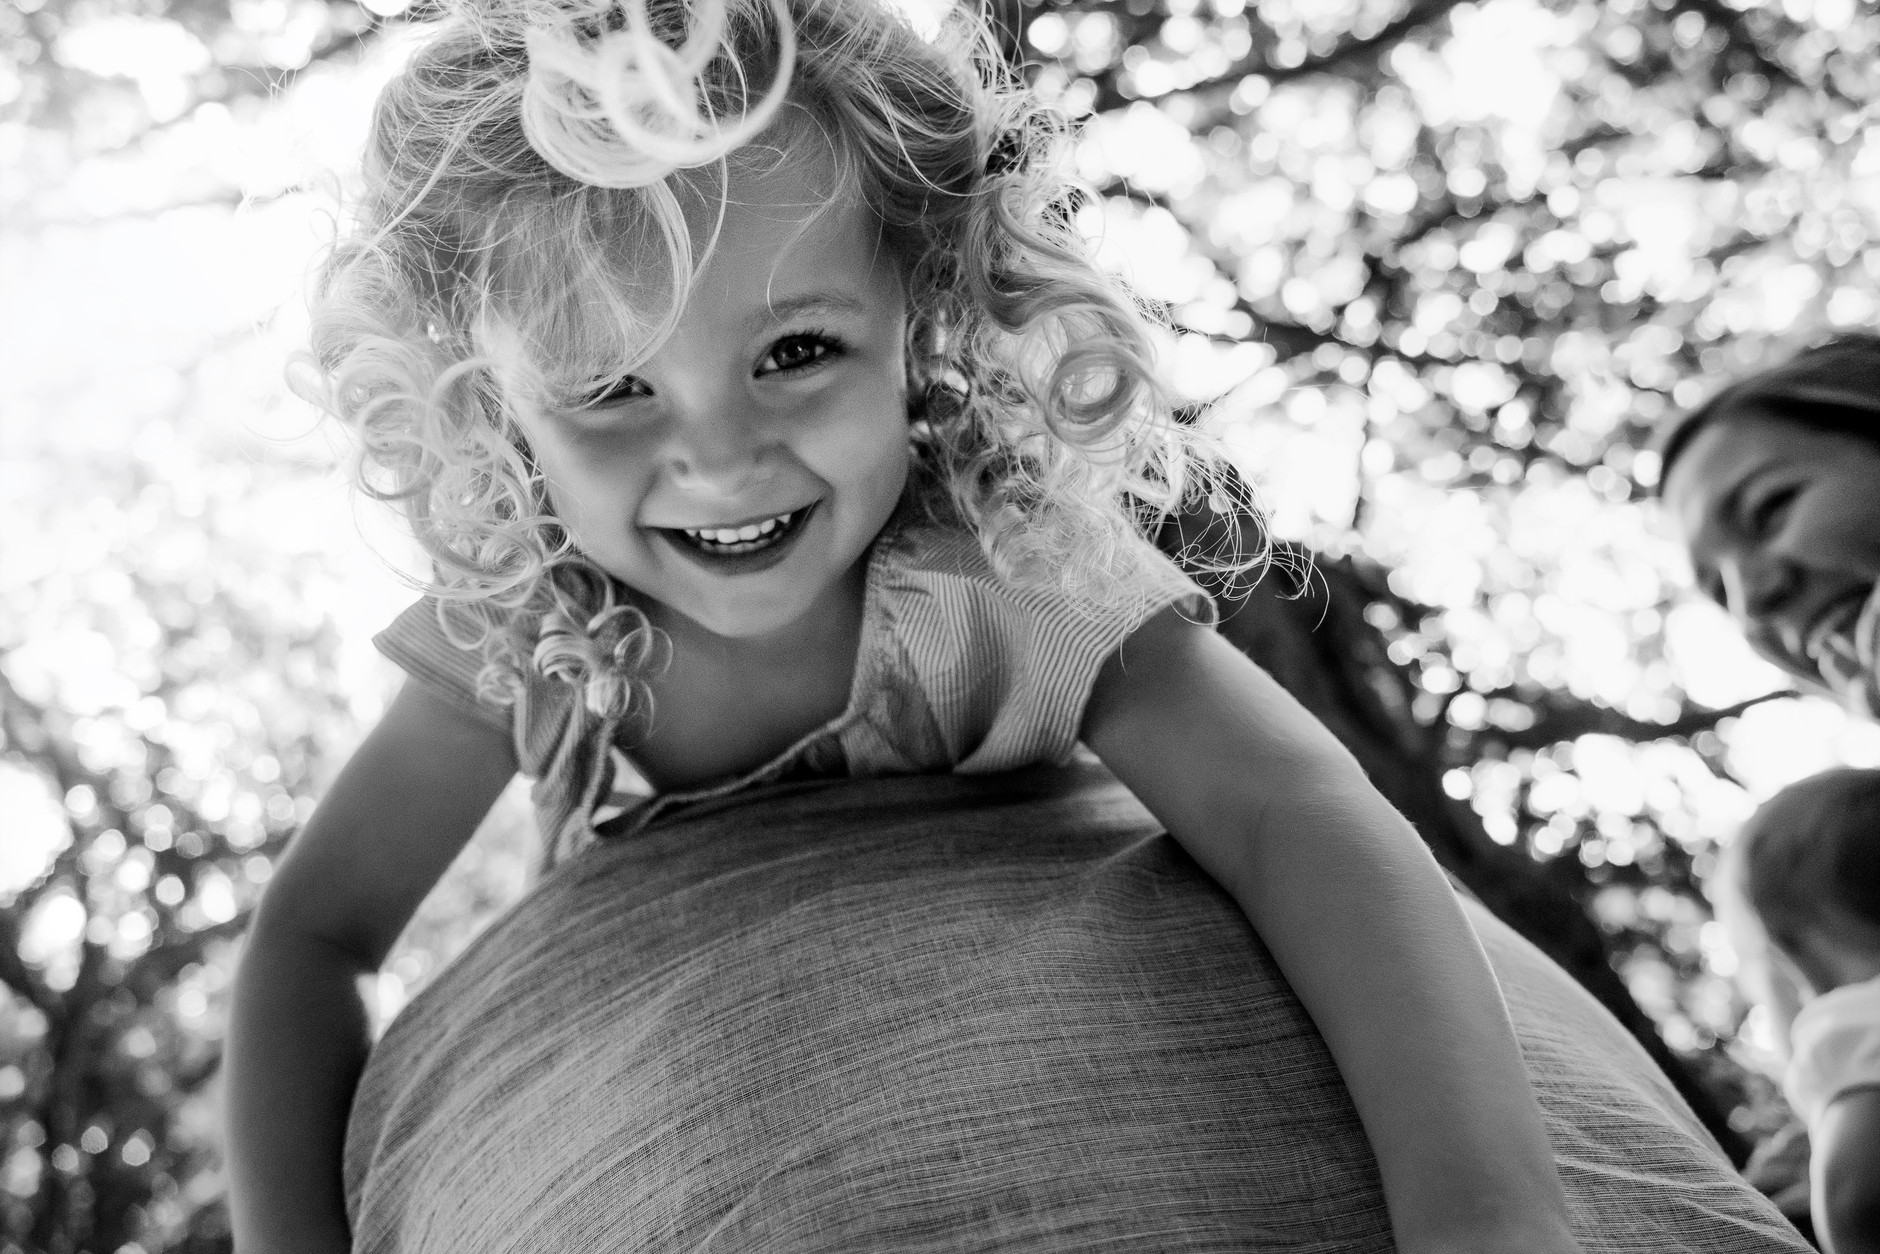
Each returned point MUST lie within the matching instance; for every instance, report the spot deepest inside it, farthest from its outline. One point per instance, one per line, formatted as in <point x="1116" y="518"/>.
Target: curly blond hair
<point x="534" y="155"/>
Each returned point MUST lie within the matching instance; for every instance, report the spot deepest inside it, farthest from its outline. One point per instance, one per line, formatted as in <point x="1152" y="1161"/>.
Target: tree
<point x="1433" y="271"/>
<point x="174" y="714"/>
<point x="170" y="707"/>
<point x="1494" y="288"/>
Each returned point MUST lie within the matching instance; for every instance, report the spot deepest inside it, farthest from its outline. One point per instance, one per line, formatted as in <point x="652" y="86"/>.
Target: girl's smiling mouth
<point x="743" y="547"/>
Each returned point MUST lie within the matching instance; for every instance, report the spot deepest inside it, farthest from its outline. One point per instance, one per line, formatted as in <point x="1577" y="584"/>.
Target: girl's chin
<point x="746" y="607"/>
<point x="746" y="621"/>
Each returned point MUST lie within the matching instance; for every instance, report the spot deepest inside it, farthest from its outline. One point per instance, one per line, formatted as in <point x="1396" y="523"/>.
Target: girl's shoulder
<point x="431" y="653"/>
<point x="915" y="547"/>
<point x="973" y="671"/>
<point x="435" y="645"/>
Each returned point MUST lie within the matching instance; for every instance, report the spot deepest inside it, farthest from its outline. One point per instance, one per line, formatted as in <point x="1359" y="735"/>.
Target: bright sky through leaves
<point x="1437" y="279"/>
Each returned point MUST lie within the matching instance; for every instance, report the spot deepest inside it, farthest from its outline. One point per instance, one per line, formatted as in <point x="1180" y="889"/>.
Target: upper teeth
<point x="1832" y="626"/>
<point x="734" y="535"/>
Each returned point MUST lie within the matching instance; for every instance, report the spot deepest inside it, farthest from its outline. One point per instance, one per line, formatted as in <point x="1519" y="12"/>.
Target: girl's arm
<point x="1845" y="1174"/>
<point x="401" y="809"/>
<point x="1361" y="921"/>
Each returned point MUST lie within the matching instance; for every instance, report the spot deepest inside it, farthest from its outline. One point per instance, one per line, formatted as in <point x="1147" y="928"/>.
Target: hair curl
<point x="535" y="154"/>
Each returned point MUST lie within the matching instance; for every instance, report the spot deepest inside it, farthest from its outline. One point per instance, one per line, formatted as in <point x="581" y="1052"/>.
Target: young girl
<point x="739" y="366"/>
<point x="1800" y="892"/>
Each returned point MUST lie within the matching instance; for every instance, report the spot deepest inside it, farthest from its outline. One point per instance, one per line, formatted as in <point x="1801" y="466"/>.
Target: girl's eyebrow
<point x="813" y="302"/>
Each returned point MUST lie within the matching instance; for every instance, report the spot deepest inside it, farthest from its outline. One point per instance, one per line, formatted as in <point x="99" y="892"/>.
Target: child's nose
<point x="718" y="449"/>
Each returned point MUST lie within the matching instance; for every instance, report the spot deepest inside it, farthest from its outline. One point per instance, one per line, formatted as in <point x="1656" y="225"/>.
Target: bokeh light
<point x="1432" y="273"/>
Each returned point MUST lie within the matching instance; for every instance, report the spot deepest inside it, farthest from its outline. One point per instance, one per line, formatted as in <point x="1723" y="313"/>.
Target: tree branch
<point x="1568" y="722"/>
<point x="1730" y="21"/>
<point x="242" y="81"/>
<point x="1212" y="93"/>
<point x="1368" y="47"/>
<point x="1287" y="338"/>
<point x="158" y="966"/>
<point x="14" y="972"/>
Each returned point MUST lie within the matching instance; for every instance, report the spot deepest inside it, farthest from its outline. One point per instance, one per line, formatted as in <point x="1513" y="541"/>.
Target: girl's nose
<point x="716" y="448"/>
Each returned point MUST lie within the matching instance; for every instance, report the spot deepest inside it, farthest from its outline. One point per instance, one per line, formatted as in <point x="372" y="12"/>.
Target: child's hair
<point x="523" y="240"/>
<point x="1808" y="861"/>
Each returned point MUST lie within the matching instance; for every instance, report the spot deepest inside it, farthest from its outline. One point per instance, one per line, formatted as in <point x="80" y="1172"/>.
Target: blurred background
<point x="1436" y="267"/>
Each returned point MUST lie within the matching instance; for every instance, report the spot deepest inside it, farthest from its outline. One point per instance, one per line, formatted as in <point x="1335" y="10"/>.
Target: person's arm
<point x="402" y="808"/>
<point x="1360" y="919"/>
<point x="1845" y="1174"/>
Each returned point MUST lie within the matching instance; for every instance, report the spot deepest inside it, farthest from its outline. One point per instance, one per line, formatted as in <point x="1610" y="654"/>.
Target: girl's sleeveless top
<point x="957" y="670"/>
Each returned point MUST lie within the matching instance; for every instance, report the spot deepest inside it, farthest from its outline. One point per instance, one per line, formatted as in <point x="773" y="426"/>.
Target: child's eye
<point x="626" y="388"/>
<point x="797" y="352"/>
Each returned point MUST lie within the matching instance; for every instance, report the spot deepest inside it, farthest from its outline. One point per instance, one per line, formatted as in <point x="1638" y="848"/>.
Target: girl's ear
<point x="935" y="390"/>
<point x="937" y="400"/>
<point x="921" y="361"/>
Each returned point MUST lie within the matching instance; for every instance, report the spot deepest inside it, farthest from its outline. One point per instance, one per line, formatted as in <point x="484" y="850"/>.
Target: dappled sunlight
<point x="36" y="828"/>
<point x="1431" y="294"/>
<point x="1484" y="274"/>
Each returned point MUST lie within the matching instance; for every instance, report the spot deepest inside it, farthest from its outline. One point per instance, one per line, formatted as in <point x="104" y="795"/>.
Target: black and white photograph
<point x="928" y="626"/>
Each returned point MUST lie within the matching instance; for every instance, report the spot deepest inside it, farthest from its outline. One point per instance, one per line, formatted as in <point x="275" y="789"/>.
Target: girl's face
<point x="1783" y="524"/>
<point x="739" y="475"/>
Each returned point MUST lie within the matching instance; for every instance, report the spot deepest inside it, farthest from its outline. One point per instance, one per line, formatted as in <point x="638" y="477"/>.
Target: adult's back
<point x="941" y="1013"/>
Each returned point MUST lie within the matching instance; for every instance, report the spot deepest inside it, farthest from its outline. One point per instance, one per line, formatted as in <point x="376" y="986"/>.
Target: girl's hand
<point x="1360" y="919"/>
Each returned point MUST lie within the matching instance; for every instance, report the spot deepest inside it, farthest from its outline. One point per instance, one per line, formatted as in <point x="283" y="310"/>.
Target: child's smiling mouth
<point x="748" y="546"/>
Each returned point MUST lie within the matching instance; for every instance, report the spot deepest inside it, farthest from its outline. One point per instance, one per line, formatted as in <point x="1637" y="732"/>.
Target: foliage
<point x="183" y="609"/>
<point x="172" y="698"/>
<point x="1453" y="261"/>
<point x="1439" y="266"/>
<point x="171" y="706"/>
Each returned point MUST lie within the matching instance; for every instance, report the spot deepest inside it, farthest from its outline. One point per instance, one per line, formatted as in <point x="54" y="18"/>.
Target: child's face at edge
<point x="779" y="403"/>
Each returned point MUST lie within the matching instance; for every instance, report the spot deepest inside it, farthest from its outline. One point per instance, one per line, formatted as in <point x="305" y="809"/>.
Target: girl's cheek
<point x="584" y="487"/>
<point x="604" y="460"/>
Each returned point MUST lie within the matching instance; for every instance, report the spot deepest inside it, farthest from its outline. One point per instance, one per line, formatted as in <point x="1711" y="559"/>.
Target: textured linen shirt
<point x="944" y="1014"/>
<point x="956" y="670"/>
<point x="1834" y="1046"/>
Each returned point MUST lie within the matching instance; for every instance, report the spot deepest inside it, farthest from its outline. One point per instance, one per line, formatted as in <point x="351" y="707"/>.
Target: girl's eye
<point x="1766" y="515"/>
<point x="626" y="388"/>
<point x="797" y="352"/>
